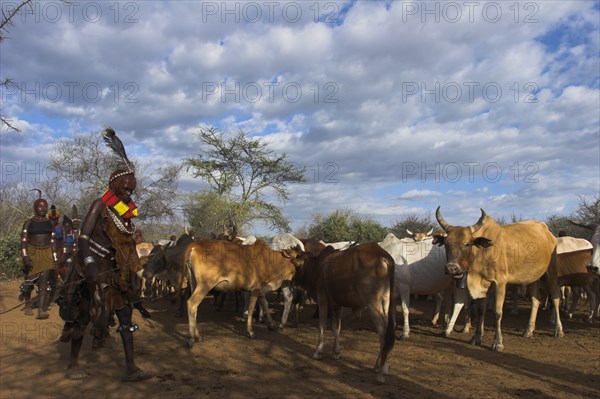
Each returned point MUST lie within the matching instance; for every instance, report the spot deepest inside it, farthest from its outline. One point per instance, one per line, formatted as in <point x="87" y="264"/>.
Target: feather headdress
<point x="39" y="198"/>
<point x="39" y="192"/>
<point x="114" y="143"/>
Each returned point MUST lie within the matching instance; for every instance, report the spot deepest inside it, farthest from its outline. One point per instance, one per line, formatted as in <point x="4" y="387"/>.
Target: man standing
<point x="108" y="260"/>
<point x="38" y="252"/>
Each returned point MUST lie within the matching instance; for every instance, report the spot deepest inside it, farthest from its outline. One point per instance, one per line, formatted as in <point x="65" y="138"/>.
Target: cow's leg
<point x="264" y="306"/>
<point x="479" y="307"/>
<point x="575" y="295"/>
<point x="592" y="299"/>
<point x="288" y="296"/>
<point x="558" y="328"/>
<point x="336" y="326"/>
<point x="246" y="301"/>
<point x="184" y="295"/>
<point x="237" y="296"/>
<point x="551" y="278"/>
<point x="564" y="300"/>
<point x="251" y="305"/>
<point x="459" y="302"/>
<point x="219" y="300"/>
<point x="379" y="318"/>
<point x="467" y="314"/>
<point x="297" y="301"/>
<point x="532" y="291"/>
<point x="192" y="308"/>
<point x="514" y="295"/>
<point x="595" y="287"/>
<point x="498" y="344"/>
<point x="405" y="302"/>
<point x="449" y="300"/>
<point x="322" y="307"/>
<point x="439" y="298"/>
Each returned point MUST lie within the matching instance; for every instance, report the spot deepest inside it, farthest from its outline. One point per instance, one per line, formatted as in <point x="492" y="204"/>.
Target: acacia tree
<point x="588" y="210"/>
<point x="560" y="224"/>
<point x="244" y="171"/>
<point x="208" y="213"/>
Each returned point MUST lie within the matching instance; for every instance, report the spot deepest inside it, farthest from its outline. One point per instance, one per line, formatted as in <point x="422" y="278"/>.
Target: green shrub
<point x="10" y="258"/>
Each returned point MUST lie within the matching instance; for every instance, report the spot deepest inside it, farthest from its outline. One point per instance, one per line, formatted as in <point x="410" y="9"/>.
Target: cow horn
<point x="410" y="232"/>
<point x="430" y="231"/>
<point x="440" y="219"/>
<point x="185" y="228"/>
<point x="479" y="223"/>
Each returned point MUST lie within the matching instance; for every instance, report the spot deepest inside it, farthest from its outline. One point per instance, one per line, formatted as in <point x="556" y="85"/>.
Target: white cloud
<point x="416" y="194"/>
<point x="378" y="93"/>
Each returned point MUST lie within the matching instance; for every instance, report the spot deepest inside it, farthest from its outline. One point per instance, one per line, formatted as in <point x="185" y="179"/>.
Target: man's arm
<point x="93" y="217"/>
<point x="24" y="245"/>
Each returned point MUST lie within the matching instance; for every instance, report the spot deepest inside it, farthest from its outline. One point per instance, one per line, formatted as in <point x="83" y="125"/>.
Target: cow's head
<point x="594" y="266"/>
<point x="295" y="255"/>
<point x="304" y="263"/>
<point x="156" y="262"/>
<point x="460" y="244"/>
<point x="420" y="236"/>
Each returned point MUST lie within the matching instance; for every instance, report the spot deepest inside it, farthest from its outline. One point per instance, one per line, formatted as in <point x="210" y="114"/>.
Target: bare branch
<point x="7" y="19"/>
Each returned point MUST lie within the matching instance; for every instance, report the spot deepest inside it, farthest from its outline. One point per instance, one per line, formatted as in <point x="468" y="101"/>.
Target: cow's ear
<point x="438" y="239"/>
<point x="482" y="242"/>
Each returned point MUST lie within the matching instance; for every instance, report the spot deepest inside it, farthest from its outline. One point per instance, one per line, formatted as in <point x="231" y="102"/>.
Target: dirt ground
<point x="279" y="364"/>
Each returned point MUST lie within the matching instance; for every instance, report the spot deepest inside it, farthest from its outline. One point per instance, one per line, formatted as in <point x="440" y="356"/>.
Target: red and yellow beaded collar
<point x="126" y="211"/>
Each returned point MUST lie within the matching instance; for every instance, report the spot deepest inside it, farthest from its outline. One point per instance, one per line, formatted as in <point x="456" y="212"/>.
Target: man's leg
<point x="126" y="329"/>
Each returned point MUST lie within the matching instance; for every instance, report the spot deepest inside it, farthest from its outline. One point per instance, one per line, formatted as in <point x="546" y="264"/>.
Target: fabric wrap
<point x="41" y="258"/>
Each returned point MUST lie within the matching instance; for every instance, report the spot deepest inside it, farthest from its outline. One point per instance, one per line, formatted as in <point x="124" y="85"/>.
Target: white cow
<point x="594" y="267"/>
<point x="282" y="242"/>
<point x="285" y="241"/>
<point x="339" y="246"/>
<point x="420" y="269"/>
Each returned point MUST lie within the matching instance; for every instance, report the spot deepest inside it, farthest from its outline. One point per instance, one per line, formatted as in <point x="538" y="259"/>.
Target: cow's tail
<point x="390" y="336"/>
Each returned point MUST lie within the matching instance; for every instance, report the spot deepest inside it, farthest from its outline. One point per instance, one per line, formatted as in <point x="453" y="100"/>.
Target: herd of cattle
<point x="459" y="265"/>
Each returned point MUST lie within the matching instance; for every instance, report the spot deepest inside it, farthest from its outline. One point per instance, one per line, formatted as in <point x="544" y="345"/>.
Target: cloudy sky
<point x="393" y="106"/>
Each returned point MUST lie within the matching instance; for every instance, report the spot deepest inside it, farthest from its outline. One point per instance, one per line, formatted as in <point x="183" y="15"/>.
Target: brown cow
<point x="518" y="253"/>
<point x="572" y="271"/>
<point x="359" y="277"/>
<point x="313" y="245"/>
<point x="228" y="267"/>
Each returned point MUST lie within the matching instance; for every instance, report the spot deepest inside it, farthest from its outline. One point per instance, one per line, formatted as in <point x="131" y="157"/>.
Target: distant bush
<point x="10" y="259"/>
<point x="345" y="225"/>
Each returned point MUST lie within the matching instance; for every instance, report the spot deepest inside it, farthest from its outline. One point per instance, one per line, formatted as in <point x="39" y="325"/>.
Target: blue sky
<point x="393" y="106"/>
